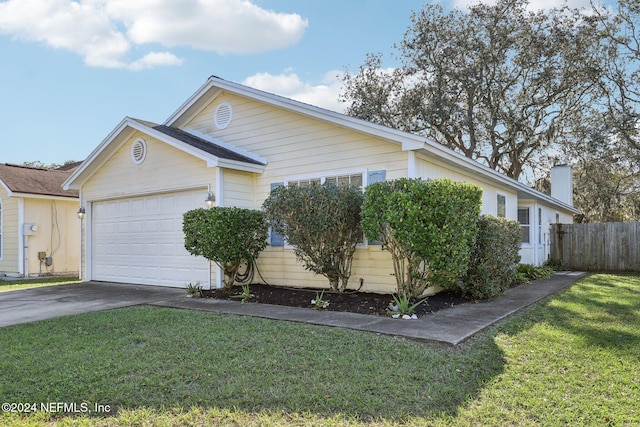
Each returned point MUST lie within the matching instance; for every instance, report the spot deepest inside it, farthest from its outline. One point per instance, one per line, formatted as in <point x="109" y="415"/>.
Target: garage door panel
<point x="140" y="240"/>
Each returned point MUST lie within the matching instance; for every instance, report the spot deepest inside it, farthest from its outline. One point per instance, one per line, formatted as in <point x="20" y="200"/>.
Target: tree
<point x="496" y="83"/>
<point x="621" y="69"/>
<point x="429" y="228"/>
<point x="322" y="223"/>
<point x="52" y="166"/>
<point x="228" y="236"/>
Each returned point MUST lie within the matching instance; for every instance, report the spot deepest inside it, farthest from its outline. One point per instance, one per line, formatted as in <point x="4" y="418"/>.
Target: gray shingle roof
<point x="24" y="179"/>
<point x="200" y="144"/>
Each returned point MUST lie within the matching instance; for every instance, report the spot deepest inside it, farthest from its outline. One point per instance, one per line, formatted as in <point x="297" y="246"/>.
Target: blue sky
<point x="71" y="70"/>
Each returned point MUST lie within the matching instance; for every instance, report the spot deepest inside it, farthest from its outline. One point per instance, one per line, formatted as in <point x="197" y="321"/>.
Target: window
<point x="502" y="206"/>
<point x="539" y="225"/>
<point x="341" y="179"/>
<point x="353" y="180"/>
<point x="525" y="225"/>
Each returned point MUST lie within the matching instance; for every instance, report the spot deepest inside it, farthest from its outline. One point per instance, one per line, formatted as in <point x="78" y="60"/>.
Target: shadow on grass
<point x="161" y="358"/>
<point x="603" y="310"/>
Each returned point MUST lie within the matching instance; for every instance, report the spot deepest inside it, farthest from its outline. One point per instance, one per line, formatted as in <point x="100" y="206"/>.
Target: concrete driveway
<point x="28" y="305"/>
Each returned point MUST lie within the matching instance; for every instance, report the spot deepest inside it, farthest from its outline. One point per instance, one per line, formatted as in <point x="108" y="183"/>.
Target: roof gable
<point x="215" y="86"/>
<point x="35" y="181"/>
<point x="215" y="153"/>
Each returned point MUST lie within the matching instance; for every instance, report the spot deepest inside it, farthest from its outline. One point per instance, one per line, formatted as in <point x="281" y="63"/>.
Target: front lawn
<point x="13" y="284"/>
<point x="570" y="360"/>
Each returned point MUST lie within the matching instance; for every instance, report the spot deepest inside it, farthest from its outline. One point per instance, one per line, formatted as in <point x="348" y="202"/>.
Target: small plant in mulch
<point x="319" y="302"/>
<point x="194" y="290"/>
<point x="402" y="307"/>
<point x="245" y="294"/>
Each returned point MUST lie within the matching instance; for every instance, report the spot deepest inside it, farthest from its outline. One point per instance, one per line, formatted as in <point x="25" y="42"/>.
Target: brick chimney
<point x="562" y="183"/>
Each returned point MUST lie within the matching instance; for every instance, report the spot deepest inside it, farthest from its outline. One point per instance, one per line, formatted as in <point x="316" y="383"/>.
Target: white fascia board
<point x="45" y="197"/>
<point x="73" y="182"/>
<point x="193" y="99"/>
<point x="295" y="106"/>
<point x="408" y="141"/>
<point x="9" y="192"/>
<point x="459" y="160"/>
<point x="242" y="166"/>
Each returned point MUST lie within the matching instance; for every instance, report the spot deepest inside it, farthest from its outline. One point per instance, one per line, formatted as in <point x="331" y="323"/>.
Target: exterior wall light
<point x="81" y="212"/>
<point x="210" y="200"/>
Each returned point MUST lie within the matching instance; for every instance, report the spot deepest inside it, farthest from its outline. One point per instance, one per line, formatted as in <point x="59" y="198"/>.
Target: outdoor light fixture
<point x="210" y="200"/>
<point x="81" y="212"/>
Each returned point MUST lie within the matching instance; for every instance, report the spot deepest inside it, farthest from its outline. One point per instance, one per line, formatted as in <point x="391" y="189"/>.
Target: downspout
<point x="81" y="218"/>
<point x="21" y="249"/>
<point x="220" y="202"/>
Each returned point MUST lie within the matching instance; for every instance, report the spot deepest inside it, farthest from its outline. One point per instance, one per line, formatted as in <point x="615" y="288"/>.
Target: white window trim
<point x="530" y="208"/>
<point x="498" y="194"/>
<point x="322" y="176"/>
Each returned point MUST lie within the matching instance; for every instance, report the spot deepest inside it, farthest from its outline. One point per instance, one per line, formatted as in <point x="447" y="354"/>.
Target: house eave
<point x="125" y="129"/>
<point x="408" y="141"/>
<point x="45" y="196"/>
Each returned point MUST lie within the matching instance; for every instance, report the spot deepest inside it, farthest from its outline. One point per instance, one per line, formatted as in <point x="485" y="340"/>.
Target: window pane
<point x="502" y="206"/>
<point x="343" y="181"/>
<point x="331" y="179"/>
<point x="356" y="181"/>
<point x="523" y="216"/>
<point x="523" y="219"/>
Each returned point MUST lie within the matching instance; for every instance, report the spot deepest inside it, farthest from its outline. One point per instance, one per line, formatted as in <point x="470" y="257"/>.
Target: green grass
<point x="10" y="285"/>
<point x="570" y="360"/>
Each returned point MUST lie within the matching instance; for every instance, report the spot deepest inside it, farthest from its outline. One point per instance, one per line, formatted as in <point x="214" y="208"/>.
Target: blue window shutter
<point x="276" y="239"/>
<point x="376" y="176"/>
<point x="373" y="177"/>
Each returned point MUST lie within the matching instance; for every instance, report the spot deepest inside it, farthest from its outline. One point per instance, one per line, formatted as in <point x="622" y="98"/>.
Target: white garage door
<point x="140" y="240"/>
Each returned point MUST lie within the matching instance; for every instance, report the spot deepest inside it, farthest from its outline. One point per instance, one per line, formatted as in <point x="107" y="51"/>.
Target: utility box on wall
<point x="29" y="229"/>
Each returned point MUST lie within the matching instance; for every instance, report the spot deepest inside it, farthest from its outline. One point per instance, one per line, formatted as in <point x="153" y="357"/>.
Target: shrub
<point x="428" y="227"/>
<point x="531" y="272"/>
<point x="322" y="223"/>
<point x="493" y="264"/>
<point x="228" y="236"/>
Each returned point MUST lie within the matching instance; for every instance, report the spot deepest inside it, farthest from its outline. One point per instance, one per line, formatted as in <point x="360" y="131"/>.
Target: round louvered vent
<point x="138" y="151"/>
<point x="223" y="115"/>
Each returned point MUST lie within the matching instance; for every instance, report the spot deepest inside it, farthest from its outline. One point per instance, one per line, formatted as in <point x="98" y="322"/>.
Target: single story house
<point x="238" y="143"/>
<point x="39" y="230"/>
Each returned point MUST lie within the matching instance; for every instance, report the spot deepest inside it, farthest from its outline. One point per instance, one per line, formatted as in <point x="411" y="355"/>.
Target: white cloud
<point x="288" y="84"/>
<point x="104" y="32"/>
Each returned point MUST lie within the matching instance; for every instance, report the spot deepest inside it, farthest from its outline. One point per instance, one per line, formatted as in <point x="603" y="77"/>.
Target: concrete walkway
<point x="452" y="326"/>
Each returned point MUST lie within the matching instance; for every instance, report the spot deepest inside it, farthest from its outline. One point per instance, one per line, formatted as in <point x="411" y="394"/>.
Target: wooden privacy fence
<point x="609" y="246"/>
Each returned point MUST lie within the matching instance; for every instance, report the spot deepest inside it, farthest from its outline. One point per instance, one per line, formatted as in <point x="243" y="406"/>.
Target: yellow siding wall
<point x="239" y="189"/>
<point x="296" y="146"/>
<point x="9" y="263"/>
<point x="426" y="168"/>
<point x="164" y="169"/>
<point x="58" y="236"/>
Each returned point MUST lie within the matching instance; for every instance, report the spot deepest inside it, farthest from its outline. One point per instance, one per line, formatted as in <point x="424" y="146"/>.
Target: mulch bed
<point x="349" y="301"/>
